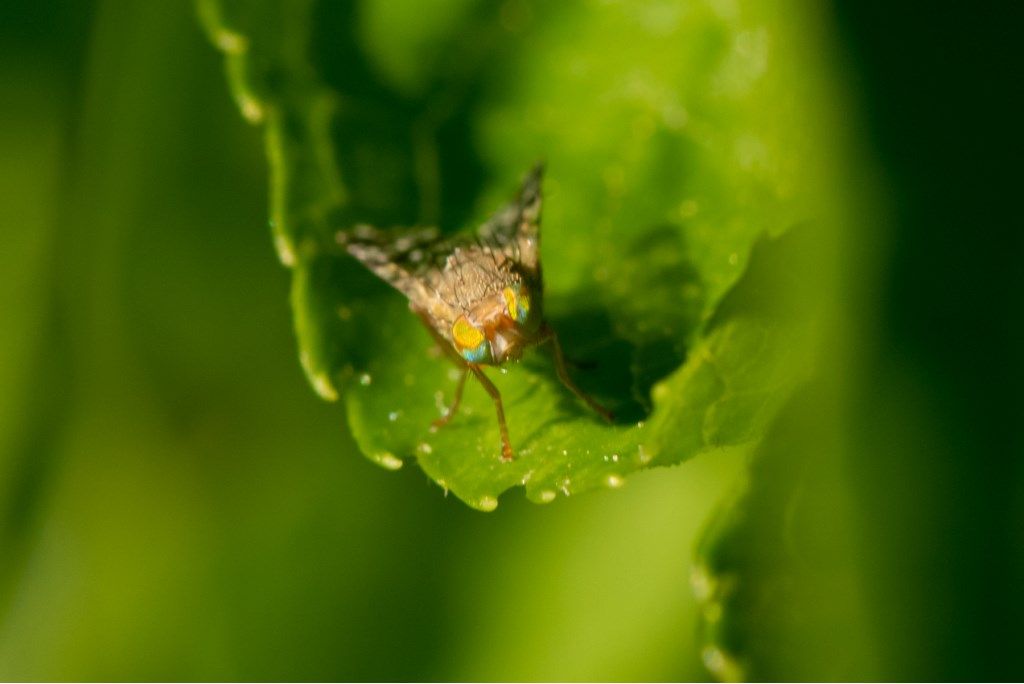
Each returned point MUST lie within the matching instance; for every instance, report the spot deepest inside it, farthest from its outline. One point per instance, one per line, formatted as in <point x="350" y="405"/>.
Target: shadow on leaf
<point x="636" y="332"/>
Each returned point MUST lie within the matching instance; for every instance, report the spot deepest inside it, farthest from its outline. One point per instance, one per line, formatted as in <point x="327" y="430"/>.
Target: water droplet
<point x="713" y="659"/>
<point x="702" y="582"/>
<point x="284" y="250"/>
<point x="487" y="503"/>
<point x="615" y="458"/>
<point x="614" y="481"/>
<point x="565" y="452"/>
<point x="365" y="379"/>
<point x="734" y="259"/>
<point x="722" y="665"/>
<point x="564" y="486"/>
<point x="231" y="42"/>
<point x="253" y="113"/>
<point x="388" y="460"/>
<point x="393" y="415"/>
<point x="546" y="496"/>
<point x="425" y="448"/>
<point x="642" y="454"/>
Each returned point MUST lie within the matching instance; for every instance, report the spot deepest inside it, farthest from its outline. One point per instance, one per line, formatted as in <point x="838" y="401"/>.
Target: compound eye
<point x="469" y="341"/>
<point x="517" y="302"/>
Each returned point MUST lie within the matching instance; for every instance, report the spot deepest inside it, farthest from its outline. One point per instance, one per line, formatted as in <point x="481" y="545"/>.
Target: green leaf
<point x="776" y="573"/>
<point x="673" y="136"/>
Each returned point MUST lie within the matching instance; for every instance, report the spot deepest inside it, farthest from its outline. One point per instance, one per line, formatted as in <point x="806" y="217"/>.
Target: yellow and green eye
<point x="517" y="302"/>
<point x="470" y="342"/>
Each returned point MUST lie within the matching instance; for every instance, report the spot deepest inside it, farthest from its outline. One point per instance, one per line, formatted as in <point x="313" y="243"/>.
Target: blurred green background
<point x="176" y="503"/>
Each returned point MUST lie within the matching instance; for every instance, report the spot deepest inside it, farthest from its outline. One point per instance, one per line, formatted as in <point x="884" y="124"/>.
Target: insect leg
<point x="563" y="375"/>
<point x="458" y="360"/>
<point x="443" y="420"/>
<point x="506" y="445"/>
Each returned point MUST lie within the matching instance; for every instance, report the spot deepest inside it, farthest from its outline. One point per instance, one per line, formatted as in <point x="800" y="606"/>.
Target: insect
<point x="480" y="295"/>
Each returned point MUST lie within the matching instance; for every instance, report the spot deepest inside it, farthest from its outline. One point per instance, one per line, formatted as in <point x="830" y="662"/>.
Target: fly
<point x="480" y="295"/>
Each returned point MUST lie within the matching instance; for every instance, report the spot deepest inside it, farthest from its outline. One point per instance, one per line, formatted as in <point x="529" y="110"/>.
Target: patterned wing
<point x="515" y="229"/>
<point x="444" y="278"/>
<point x="405" y="259"/>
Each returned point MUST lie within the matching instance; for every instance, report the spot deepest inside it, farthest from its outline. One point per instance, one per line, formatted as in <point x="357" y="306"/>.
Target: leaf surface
<point x="673" y="140"/>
